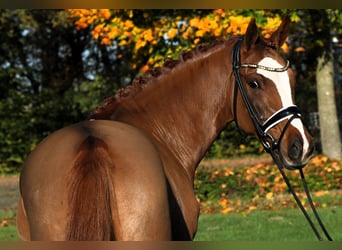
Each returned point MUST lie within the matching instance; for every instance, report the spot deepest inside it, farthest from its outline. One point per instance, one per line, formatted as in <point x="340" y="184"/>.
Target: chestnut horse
<point x="127" y="173"/>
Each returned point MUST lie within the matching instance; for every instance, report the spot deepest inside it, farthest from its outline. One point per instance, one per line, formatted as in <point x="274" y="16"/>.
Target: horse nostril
<point x="295" y="150"/>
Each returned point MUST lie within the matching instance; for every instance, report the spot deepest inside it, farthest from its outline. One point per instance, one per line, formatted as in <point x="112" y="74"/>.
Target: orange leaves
<point x="270" y="26"/>
<point x="144" y="35"/>
<point x="85" y="17"/>
<point x="238" y="25"/>
<point x="319" y="160"/>
<point x="227" y="189"/>
<point x="172" y="33"/>
<point x="105" y="13"/>
<point x="103" y="27"/>
<point x="216" y="24"/>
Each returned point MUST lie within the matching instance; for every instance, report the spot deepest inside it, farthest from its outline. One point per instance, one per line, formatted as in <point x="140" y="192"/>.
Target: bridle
<point x="270" y="144"/>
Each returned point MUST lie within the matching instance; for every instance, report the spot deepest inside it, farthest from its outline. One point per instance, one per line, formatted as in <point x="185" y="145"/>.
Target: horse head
<point x="264" y="96"/>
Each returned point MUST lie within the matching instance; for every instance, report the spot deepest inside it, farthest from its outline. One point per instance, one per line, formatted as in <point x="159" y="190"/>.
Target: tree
<point x="330" y="132"/>
<point x="316" y="28"/>
<point x="152" y="35"/>
<point x="43" y="71"/>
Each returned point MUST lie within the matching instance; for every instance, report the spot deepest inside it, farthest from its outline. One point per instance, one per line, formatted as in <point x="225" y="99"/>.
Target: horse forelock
<point x="110" y="104"/>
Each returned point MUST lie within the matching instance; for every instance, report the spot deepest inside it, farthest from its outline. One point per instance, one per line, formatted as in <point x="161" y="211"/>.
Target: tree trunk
<point x="330" y="133"/>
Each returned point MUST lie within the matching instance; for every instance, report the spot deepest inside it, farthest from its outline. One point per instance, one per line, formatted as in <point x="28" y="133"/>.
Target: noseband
<point x="270" y="144"/>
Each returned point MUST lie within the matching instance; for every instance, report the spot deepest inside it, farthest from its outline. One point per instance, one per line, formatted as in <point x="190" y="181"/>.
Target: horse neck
<point x="184" y="110"/>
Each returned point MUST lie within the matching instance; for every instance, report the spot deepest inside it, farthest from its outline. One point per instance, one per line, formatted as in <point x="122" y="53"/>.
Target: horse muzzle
<point x="297" y="155"/>
<point x="294" y="144"/>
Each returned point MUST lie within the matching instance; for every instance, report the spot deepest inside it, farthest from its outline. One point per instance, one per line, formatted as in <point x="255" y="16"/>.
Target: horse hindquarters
<point x="104" y="175"/>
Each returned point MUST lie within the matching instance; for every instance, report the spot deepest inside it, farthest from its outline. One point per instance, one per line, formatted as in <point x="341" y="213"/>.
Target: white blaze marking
<point x="282" y="83"/>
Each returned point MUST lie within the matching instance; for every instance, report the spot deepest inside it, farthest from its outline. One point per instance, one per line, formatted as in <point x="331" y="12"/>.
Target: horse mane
<point x="110" y="104"/>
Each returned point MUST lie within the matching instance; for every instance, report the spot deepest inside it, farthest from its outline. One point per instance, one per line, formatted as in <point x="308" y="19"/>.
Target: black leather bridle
<point x="270" y="144"/>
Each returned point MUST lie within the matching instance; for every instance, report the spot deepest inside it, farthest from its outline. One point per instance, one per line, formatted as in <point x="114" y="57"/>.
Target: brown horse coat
<point x="139" y="172"/>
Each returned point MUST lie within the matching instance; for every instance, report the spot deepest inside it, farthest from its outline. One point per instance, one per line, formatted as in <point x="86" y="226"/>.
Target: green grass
<point x="278" y="225"/>
<point x="282" y="225"/>
<point x="8" y="230"/>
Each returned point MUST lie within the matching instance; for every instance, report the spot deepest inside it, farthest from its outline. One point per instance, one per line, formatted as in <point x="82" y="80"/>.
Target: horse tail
<point x="90" y="192"/>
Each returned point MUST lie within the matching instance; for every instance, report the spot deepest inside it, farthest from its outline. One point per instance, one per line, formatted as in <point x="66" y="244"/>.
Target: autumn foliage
<point x="156" y="36"/>
<point x="227" y="189"/>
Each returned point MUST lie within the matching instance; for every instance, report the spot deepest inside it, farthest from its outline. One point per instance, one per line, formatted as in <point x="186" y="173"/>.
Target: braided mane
<point x="110" y="104"/>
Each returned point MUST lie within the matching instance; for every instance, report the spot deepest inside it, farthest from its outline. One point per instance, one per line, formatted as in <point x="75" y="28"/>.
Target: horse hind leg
<point x="23" y="228"/>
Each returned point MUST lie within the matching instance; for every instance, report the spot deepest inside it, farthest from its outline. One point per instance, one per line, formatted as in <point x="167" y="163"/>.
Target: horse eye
<point x="254" y="84"/>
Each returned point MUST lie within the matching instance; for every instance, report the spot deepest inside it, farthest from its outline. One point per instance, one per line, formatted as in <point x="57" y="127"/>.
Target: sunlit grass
<point x="282" y="225"/>
<point x="8" y="231"/>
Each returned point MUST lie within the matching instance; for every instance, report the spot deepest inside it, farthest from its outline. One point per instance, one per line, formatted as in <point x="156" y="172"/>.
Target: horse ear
<point x="279" y="36"/>
<point x="251" y="34"/>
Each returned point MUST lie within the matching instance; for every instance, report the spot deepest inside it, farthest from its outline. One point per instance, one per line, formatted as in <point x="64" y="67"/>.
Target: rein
<point x="270" y="144"/>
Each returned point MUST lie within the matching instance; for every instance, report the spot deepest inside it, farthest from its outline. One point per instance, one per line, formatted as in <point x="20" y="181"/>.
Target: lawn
<point x="8" y="231"/>
<point x="281" y="225"/>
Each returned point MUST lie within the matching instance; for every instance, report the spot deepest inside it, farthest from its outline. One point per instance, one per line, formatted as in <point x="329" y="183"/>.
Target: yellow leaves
<point x="106" y="41"/>
<point x="206" y="25"/>
<point x="285" y="48"/>
<point x="270" y="26"/>
<point x="105" y="13"/>
<point x="335" y="165"/>
<point x="226" y="210"/>
<point x="269" y="196"/>
<point x="109" y="25"/>
<point x="238" y="25"/>
<point x="147" y="35"/>
<point x="124" y="28"/>
<point x="128" y="25"/>
<point x="86" y="17"/>
<point x="251" y="208"/>
<point x="97" y="31"/>
<point x="223" y="202"/>
<point x="144" y="38"/>
<point x="319" y="160"/>
<point x="113" y="33"/>
<point x="194" y="22"/>
<point x="4" y="223"/>
<point x="228" y="172"/>
<point x="200" y="33"/>
<point x="225" y="206"/>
